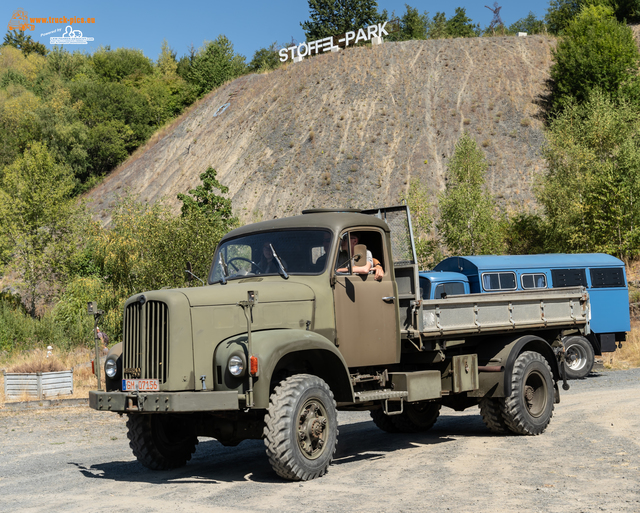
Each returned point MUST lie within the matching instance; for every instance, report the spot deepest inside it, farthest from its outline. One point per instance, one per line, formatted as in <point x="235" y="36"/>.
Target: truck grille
<point x="146" y="341"/>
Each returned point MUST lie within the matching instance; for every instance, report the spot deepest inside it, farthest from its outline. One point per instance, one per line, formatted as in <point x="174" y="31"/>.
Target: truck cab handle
<point x="388" y="299"/>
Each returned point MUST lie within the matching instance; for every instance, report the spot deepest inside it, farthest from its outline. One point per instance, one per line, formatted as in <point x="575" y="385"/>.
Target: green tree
<point x="205" y="199"/>
<point x="333" y="17"/>
<point x="18" y="39"/>
<point x="37" y="218"/>
<point x="167" y="63"/>
<point x="214" y="64"/>
<point x="469" y="224"/>
<point x="596" y="51"/>
<point x="529" y="24"/>
<point x="590" y="193"/>
<point x="70" y="66"/>
<point x="438" y="26"/>
<point x="526" y="234"/>
<point x="108" y="144"/>
<point x="265" y="59"/>
<point x="413" y="25"/>
<point x="460" y="25"/>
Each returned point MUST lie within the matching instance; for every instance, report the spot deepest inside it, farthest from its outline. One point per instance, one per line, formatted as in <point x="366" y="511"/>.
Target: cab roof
<point x="336" y="221"/>
<point x="442" y="276"/>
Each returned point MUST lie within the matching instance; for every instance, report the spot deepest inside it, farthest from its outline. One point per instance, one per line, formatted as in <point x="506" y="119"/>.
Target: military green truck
<point x="290" y="328"/>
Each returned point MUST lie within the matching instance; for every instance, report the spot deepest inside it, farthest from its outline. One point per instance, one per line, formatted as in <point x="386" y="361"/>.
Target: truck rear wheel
<point x="417" y="417"/>
<point x="161" y="442"/>
<point x="383" y="421"/>
<point x="528" y="410"/>
<point x="579" y="356"/>
<point x="301" y="428"/>
<point x="491" y="411"/>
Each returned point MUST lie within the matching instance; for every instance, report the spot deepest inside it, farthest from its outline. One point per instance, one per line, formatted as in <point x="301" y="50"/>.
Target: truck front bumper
<point x="127" y="402"/>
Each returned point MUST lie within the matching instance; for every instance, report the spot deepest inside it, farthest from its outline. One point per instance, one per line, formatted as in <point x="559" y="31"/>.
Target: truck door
<point x="367" y="329"/>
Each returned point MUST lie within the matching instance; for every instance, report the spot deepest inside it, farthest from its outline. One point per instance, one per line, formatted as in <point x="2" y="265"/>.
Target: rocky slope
<point x="353" y="128"/>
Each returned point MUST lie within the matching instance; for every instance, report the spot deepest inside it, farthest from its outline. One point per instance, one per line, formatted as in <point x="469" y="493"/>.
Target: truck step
<point x="377" y="395"/>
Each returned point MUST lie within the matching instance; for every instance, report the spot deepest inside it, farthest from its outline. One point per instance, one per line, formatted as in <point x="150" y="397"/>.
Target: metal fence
<point x="41" y="385"/>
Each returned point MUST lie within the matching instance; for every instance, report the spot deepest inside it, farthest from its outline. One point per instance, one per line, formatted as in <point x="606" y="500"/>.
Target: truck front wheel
<point x="301" y="428"/>
<point x="528" y="410"/>
<point x="161" y="442"/>
<point x="579" y="357"/>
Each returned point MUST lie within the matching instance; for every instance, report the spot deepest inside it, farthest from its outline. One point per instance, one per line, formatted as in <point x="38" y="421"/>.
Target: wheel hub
<point x="312" y="429"/>
<point x="535" y="394"/>
<point x="576" y="357"/>
<point x="528" y="394"/>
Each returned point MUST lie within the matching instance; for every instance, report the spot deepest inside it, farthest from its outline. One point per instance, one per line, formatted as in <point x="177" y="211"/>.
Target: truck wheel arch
<point x="529" y="343"/>
<point x="318" y="362"/>
<point x="507" y="350"/>
<point x="284" y="352"/>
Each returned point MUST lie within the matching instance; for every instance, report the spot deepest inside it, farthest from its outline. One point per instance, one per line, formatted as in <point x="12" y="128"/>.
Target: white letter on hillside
<point x="349" y="36"/>
<point x="361" y="36"/>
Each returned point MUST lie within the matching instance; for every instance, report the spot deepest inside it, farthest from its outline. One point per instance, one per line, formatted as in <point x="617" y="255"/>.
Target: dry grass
<point x="36" y="361"/>
<point x="628" y="356"/>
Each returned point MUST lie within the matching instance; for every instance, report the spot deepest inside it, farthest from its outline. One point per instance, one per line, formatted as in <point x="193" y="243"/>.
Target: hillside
<point x="353" y="128"/>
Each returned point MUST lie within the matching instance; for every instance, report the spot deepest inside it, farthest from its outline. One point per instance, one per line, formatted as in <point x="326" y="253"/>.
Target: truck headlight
<point x="236" y="365"/>
<point x="110" y="368"/>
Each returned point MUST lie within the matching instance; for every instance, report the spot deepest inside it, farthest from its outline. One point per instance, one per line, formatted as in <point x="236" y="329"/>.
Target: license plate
<point x="142" y="385"/>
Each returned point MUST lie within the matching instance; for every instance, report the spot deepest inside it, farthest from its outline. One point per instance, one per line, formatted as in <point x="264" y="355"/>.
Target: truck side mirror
<point x="360" y="255"/>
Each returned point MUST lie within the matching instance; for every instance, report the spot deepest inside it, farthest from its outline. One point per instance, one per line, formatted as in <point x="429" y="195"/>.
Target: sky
<point x="249" y="24"/>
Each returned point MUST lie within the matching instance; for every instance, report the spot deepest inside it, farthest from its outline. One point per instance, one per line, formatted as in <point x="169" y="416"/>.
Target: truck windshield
<point x="300" y="251"/>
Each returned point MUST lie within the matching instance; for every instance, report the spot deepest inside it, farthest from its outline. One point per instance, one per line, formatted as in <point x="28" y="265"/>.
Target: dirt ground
<point x="76" y="459"/>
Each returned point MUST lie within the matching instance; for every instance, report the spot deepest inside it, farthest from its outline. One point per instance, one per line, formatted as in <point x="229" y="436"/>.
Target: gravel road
<point x="75" y="459"/>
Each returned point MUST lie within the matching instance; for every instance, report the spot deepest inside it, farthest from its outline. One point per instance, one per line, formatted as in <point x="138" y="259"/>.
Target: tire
<point x="417" y="417"/>
<point x="383" y="421"/>
<point x="161" y="442"/>
<point x="491" y="411"/>
<point x="301" y="428"/>
<point x="583" y="356"/>
<point x="529" y="408"/>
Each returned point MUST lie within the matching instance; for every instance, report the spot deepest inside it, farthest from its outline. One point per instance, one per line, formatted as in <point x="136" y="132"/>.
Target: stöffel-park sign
<point x="352" y="37"/>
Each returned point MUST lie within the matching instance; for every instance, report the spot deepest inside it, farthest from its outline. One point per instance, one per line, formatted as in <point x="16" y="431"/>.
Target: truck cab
<point x="436" y="285"/>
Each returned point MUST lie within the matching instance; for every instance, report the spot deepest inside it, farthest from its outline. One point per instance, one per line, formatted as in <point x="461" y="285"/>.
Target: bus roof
<point x="512" y="262"/>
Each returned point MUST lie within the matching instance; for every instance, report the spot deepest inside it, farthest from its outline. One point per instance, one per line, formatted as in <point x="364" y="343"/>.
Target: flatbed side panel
<point x="476" y="313"/>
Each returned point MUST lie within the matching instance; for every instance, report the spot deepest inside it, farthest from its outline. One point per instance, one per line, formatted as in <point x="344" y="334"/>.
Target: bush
<point x="596" y="52"/>
<point x="115" y="65"/>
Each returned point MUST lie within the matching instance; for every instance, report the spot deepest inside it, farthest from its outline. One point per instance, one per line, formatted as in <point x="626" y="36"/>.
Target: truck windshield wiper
<point x="275" y="255"/>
